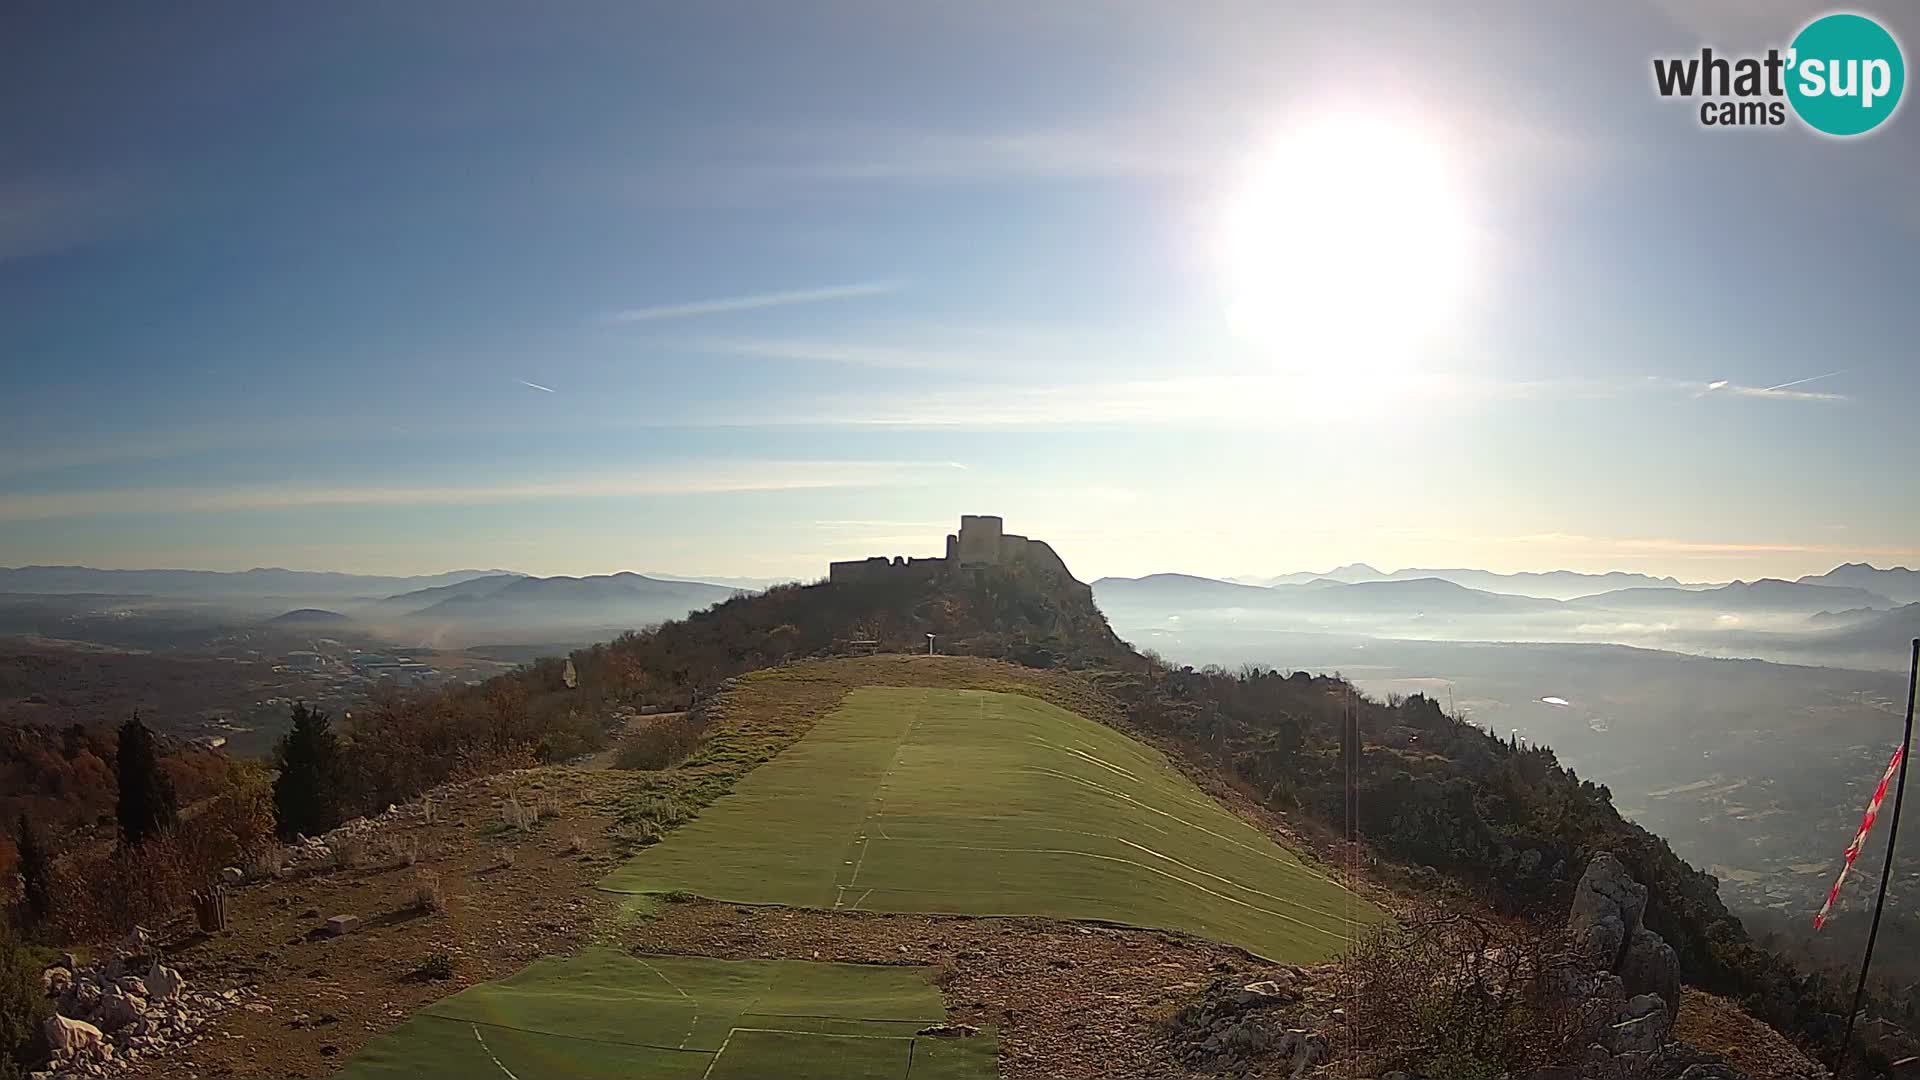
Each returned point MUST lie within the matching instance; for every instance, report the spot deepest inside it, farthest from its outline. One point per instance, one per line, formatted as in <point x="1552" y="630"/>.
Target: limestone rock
<point x="341" y="924"/>
<point x="164" y="983"/>
<point x="72" y="1037"/>
<point x="1649" y="965"/>
<point x="1608" y="906"/>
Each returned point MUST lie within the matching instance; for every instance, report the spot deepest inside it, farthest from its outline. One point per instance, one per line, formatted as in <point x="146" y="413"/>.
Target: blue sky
<point x="808" y="281"/>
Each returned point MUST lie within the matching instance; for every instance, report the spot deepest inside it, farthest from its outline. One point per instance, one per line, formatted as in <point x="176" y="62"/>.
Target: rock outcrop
<point x="1629" y="991"/>
<point x="108" y="1016"/>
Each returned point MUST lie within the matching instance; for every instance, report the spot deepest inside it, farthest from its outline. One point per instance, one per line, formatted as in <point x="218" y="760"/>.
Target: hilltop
<point x="1238" y="819"/>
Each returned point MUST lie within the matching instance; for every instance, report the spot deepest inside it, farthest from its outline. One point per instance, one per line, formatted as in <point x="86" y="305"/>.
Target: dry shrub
<point x="407" y="852"/>
<point x="427" y="895"/>
<point x="266" y="863"/>
<point x="519" y="816"/>
<point x="548" y="806"/>
<point x="101" y="896"/>
<point x="507" y="858"/>
<point x="350" y="852"/>
<point x="575" y="845"/>
<point x="1454" y="994"/>
<point x="665" y="742"/>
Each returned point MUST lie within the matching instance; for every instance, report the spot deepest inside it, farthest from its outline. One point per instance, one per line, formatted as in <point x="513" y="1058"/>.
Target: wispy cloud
<point x="839" y="352"/>
<point x="534" y="385"/>
<point x="952" y="156"/>
<point x="697" y="308"/>
<point x="662" y="480"/>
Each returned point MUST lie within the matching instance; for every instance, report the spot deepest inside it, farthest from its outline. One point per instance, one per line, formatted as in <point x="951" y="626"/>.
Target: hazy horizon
<point x="565" y="296"/>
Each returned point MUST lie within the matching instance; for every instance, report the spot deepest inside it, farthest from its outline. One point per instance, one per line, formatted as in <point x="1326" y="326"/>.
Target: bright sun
<point x="1344" y="246"/>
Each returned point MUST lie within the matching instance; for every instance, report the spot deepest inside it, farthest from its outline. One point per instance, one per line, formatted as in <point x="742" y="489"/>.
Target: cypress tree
<point x="307" y="795"/>
<point x="36" y="873"/>
<point x="147" y="805"/>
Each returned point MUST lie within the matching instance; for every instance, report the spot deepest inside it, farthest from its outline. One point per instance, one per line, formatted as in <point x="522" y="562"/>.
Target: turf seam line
<point x="557" y="1035"/>
<point x="1289" y="864"/>
<point x="695" y="1022"/>
<point x="817" y="1034"/>
<point x="865" y="842"/>
<point x="1153" y="870"/>
<point x="477" y="1037"/>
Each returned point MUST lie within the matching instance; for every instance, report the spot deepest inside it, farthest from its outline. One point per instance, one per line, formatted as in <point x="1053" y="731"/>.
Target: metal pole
<point x="1886" y="872"/>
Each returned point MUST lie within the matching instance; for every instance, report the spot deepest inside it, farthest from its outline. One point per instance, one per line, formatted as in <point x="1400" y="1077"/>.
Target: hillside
<point x="881" y="792"/>
<point x="624" y="599"/>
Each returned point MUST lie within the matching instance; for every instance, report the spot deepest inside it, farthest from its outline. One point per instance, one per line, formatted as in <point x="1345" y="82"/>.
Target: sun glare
<point x="1344" y="247"/>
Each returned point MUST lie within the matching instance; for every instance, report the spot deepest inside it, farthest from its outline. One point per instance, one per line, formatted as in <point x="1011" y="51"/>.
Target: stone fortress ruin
<point x="981" y="542"/>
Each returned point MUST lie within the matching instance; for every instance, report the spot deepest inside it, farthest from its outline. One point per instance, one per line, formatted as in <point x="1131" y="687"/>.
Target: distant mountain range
<point x="213" y="584"/>
<point x="1897" y="583"/>
<point x="1436" y="595"/>
<point x="624" y="599"/>
<point x="1417" y="596"/>
<point x="1767" y="594"/>
<point x="1552" y="585"/>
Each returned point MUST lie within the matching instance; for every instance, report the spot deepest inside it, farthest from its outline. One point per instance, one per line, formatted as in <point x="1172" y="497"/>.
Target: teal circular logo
<point x="1845" y="74"/>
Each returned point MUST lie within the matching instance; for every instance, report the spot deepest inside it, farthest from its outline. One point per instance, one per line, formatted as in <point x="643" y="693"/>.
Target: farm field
<point x="981" y="803"/>
<point x="605" y="1013"/>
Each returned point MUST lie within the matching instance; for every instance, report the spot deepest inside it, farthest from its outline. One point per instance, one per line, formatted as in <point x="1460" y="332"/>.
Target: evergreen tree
<point x="36" y="873"/>
<point x="147" y="805"/>
<point x="307" y="794"/>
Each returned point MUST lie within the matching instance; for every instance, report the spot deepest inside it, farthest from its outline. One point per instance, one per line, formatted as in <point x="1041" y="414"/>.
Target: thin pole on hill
<point x="1886" y="871"/>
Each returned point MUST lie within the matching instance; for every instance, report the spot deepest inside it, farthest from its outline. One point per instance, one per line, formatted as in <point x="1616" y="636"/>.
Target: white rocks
<point x="232" y="875"/>
<point x="341" y="924"/>
<point x="72" y="1037"/>
<point x="132" y="1016"/>
<point x="164" y="983"/>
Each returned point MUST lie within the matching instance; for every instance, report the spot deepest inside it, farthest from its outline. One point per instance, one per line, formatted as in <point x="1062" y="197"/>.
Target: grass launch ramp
<point x="606" y="1014"/>
<point x="982" y="803"/>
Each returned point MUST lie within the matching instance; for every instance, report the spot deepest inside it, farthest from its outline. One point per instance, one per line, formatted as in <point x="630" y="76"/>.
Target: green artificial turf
<point x="606" y="1014"/>
<point x="980" y="803"/>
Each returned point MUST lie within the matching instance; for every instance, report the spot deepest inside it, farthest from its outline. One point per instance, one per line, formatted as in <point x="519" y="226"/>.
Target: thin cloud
<point x="694" y="479"/>
<point x="839" y="352"/>
<point x="697" y="308"/>
<point x="534" y="385"/>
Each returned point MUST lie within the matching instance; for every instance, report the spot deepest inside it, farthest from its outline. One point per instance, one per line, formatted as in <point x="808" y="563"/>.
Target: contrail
<point x="1717" y="384"/>
<point x="534" y="385"/>
<point x="1808" y="379"/>
<point x="752" y="303"/>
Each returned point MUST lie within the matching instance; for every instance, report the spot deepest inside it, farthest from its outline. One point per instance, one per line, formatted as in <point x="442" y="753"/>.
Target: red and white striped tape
<point x="1859" y="838"/>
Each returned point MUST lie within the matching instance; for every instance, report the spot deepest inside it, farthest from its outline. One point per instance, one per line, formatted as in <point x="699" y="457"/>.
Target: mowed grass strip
<point x="983" y="803"/>
<point x="605" y="1013"/>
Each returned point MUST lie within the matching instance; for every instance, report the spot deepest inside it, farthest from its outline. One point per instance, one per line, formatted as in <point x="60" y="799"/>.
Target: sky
<point x="737" y="288"/>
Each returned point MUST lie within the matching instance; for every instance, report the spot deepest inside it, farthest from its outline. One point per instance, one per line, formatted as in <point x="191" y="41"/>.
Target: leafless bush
<point x="349" y="852"/>
<point x="407" y="852"/>
<point x="507" y="857"/>
<point x="426" y="891"/>
<point x="519" y="816"/>
<point x="575" y="845"/>
<point x="266" y="863"/>
<point x="547" y="806"/>
<point x="1452" y="993"/>
<point x="667" y="741"/>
